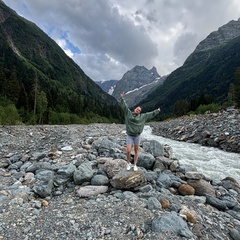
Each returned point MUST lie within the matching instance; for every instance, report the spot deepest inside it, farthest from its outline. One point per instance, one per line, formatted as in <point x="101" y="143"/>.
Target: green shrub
<point x="2" y="116"/>
<point x="213" y="108"/>
<point x="9" y="115"/>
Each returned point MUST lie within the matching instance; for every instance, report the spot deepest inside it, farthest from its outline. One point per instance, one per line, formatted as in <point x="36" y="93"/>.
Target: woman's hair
<point x="139" y="107"/>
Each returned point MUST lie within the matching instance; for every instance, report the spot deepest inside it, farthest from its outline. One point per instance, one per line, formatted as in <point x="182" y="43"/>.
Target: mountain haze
<point x="206" y="74"/>
<point x="33" y="65"/>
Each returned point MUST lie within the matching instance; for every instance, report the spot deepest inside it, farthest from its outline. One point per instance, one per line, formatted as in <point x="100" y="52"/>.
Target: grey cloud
<point x="184" y="46"/>
<point x="92" y="63"/>
<point x="97" y="28"/>
<point x="132" y="32"/>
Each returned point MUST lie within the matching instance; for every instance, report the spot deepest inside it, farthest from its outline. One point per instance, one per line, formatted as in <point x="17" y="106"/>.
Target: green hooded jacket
<point x="135" y="122"/>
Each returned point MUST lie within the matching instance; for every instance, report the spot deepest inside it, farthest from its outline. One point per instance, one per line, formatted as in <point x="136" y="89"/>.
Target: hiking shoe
<point x="129" y="166"/>
<point x="135" y="168"/>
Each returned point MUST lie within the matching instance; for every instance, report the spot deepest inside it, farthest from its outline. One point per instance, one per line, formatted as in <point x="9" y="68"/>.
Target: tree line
<point x="30" y="99"/>
<point x="206" y="102"/>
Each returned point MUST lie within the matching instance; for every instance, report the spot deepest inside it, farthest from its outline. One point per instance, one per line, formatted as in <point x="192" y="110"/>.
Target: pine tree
<point x="12" y="89"/>
<point x="237" y="86"/>
<point x="36" y="89"/>
<point x="42" y="104"/>
<point x="231" y="94"/>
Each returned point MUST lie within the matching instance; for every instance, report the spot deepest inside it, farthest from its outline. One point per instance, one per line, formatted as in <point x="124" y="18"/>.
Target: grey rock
<point x="194" y="175"/>
<point x="234" y="233"/>
<point x="39" y="155"/>
<point x="39" y="166"/>
<point x="129" y="195"/>
<point x="15" y="165"/>
<point x="164" y="180"/>
<point x="146" y="160"/>
<point x="202" y="187"/>
<point x="171" y="222"/>
<point x="158" y="165"/>
<point x="154" y="204"/>
<point x="44" y="185"/>
<point x="15" y="158"/>
<point x="215" y="202"/>
<point x="99" y="179"/>
<point x="150" y="176"/>
<point x="64" y="174"/>
<point x="84" y="173"/>
<point x="146" y="188"/>
<point x="88" y="191"/>
<point x="128" y="179"/>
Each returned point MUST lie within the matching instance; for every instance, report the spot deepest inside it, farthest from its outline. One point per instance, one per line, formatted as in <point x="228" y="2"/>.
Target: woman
<point x="134" y="127"/>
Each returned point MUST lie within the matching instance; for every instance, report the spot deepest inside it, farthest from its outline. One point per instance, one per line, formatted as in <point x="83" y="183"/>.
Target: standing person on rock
<point x="134" y="127"/>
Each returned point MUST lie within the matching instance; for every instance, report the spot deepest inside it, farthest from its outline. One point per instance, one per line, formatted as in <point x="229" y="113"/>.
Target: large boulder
<point x="114" y="166"/>
<point x="128" y="179"/>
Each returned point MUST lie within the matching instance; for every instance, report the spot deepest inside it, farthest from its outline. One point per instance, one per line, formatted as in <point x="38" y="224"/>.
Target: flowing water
<point x="210" y="161"/>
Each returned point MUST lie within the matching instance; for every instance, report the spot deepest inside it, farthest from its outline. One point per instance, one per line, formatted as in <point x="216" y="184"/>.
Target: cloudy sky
<point x="106" y="38"/>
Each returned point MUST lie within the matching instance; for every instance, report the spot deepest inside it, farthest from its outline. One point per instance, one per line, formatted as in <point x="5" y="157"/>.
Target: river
<point x="212" y="162"/>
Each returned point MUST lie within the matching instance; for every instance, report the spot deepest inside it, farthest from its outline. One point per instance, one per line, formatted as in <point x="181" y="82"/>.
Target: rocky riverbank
<point x="70" y="182"/>
<point x="220" y="130"/>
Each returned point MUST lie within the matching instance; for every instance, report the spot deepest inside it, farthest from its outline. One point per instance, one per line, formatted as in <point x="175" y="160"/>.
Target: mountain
<point x="41" y="80"/>
<point x="108" y="86"/>
<point x="137" y="83"/>
<point x="205" y="76"/>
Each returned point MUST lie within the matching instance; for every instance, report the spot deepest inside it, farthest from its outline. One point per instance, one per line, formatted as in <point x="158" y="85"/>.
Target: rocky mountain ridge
<point x="137" y="83"/>
<point x="220" y="37"/>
